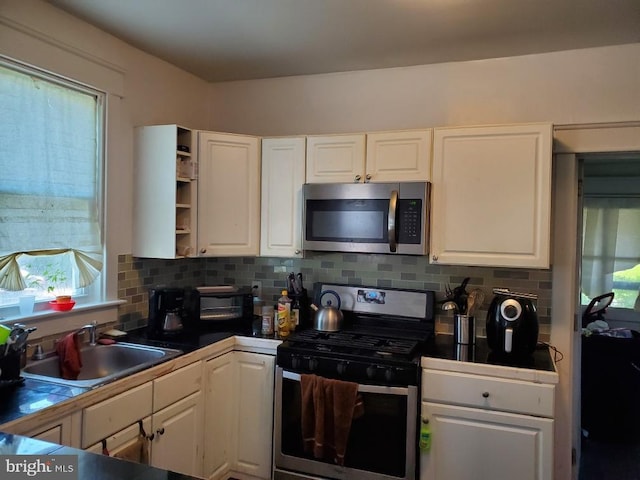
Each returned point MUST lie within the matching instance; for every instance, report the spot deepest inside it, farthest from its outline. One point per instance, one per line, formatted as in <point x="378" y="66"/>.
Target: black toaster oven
<point x="220" y="306"/>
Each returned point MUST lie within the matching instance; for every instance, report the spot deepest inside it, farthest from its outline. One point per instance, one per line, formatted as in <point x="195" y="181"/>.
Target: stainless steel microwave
<point x="367" y="217"/>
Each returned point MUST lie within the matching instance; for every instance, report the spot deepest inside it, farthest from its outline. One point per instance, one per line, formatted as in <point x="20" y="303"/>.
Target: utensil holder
<point x="464" y="352"/>
<point x="10" y="366"/>
<point x="305" y="307"/>
<point x="464" y="329"/>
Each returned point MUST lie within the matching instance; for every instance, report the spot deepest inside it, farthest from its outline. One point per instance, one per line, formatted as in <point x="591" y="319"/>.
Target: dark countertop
<point x="443" y="346"/>
<point x="32" y="395"/>
<point x="90" y="465"/>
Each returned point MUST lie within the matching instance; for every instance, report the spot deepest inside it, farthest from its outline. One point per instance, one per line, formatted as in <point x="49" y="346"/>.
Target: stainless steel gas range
<point x="373" y="362"/>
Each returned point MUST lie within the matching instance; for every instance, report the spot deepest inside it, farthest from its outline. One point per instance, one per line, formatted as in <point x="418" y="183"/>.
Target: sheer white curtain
<point x="49" y="170"/>
<point x="611" y="241"/>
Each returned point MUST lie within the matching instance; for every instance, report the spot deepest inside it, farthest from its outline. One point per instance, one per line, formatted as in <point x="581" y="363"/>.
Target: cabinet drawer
<point x="488" y="393"/>
<point x="176" y="385"/>
<point x="105" y="418"/>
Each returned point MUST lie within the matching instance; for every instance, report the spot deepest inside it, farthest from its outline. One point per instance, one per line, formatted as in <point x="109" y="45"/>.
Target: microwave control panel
<point x="409" y="223"/>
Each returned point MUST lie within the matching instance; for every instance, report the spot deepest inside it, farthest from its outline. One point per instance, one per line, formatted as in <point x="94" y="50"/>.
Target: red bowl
<point x="62" y="307"/>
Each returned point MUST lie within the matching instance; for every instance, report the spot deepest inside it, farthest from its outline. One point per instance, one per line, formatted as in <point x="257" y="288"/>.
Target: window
<point x="611" y="230"/>
<point x="51" y="145"/>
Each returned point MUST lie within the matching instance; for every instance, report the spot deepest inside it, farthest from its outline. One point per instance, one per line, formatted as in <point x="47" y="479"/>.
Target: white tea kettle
<point x="328" y="318"/>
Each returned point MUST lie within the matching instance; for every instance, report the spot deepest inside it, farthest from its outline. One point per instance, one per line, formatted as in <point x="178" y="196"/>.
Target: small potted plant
<point x="56" y="278"/>
<point x="52" y="279"/>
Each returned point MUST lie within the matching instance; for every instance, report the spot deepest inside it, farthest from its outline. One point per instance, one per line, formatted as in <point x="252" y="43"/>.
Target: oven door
<point x="382" y="442"/>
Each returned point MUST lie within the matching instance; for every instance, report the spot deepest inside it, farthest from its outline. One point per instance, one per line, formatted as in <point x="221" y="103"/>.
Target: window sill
<point x="50" y="322"/>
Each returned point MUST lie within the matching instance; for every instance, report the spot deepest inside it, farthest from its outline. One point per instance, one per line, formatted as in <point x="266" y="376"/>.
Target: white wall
<point x="143" y="90"/>
<point x="579" y="86"/>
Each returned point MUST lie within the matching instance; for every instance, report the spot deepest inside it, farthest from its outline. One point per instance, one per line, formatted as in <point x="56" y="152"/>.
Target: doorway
<point x="570" y="142"/>
<point x="609" y="246"/>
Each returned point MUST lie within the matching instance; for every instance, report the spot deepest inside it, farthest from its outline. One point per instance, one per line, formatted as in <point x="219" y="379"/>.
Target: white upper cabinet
<point x="283" y="174"/>
<point x="335" y="158"/>
<point x="491" y="196"/>
<point x="403" y="156"/>
<point x="228" y="194"/>
<point x="165" y="192"/>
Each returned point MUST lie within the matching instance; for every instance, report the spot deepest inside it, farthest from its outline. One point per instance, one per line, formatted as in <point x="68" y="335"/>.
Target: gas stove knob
<point x="342" y="368"/>
<point x="371" y="371"/>
<point x="313" y="364"/>
<point x="296" y="363"/>
<point x="389" y="374"/>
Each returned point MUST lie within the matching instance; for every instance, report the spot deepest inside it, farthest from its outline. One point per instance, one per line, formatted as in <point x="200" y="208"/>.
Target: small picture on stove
<point x="371" y="296"/>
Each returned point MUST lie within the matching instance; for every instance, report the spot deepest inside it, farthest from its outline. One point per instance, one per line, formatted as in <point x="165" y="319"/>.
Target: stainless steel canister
<point x="464" y="329"/>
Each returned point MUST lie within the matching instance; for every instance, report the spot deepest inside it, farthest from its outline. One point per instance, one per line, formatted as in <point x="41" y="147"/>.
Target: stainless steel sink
<point x="101" y="364"/>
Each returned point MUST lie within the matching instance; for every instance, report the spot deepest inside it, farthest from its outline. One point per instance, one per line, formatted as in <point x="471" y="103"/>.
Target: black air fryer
<point x="512" y="323"/>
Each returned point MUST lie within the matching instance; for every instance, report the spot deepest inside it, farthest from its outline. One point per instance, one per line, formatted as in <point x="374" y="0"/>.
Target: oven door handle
<point x="361" y="387"/>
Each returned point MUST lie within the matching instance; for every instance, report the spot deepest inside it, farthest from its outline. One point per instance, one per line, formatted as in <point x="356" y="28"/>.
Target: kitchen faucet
<point x="91" y="328"/>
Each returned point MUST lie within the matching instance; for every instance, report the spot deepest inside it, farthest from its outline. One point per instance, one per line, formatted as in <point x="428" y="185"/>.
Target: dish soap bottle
<point x="284" y="315"/>
<point x="425" y="435"/>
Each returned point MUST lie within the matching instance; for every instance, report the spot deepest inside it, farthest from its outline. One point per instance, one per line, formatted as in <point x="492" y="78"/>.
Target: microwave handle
<point x="391" y="221"/>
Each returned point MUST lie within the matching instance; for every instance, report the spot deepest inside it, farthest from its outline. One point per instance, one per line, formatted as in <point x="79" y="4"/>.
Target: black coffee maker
<point x="166" y="310"/>
<point x="512" y="323"/>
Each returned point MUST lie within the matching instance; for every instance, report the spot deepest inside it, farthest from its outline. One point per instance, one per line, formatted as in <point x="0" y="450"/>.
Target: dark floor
<point x="605" y="460"/>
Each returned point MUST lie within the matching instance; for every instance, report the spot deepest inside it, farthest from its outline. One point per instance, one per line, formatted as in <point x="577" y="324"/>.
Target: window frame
<point x="96" y="292"/>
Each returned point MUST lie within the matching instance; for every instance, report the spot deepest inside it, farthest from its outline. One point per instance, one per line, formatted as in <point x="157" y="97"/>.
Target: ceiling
<point x="220" y="40"/>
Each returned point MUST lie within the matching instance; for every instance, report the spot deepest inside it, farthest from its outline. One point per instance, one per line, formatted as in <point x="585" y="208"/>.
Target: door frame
<point x="570" y="141"/>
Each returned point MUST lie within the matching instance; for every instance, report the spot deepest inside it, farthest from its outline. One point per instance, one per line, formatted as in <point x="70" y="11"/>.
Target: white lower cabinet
<point x="128" y="443"/>
<point x="219" y="405"/>
<point x="177" y="437"/>
<point x="170" y="410"/>
<point x="254" y="401"/>
<point x="469" y="443"/>
<point x="214" y="430"/>
<point x="239" y="415"/>
<point x="118" y="412"/>
<point x="486" y="427"/>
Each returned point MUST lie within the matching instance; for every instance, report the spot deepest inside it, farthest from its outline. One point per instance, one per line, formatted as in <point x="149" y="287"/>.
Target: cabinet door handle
<point x="203" y="250"/>
<point x="160" y="431"/>
<point x="297" y="252"/>
<point x="485" y="394"/>
<point x="434" y="258"/>
<point x="367" y="178"/>
<point x="357" y="178"/>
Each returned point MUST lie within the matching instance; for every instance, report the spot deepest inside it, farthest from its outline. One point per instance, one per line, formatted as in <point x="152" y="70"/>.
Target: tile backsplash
<point x="137" y="275"/>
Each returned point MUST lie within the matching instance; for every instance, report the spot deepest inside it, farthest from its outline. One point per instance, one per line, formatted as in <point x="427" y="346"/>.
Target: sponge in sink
<point x="114" y="333"/>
